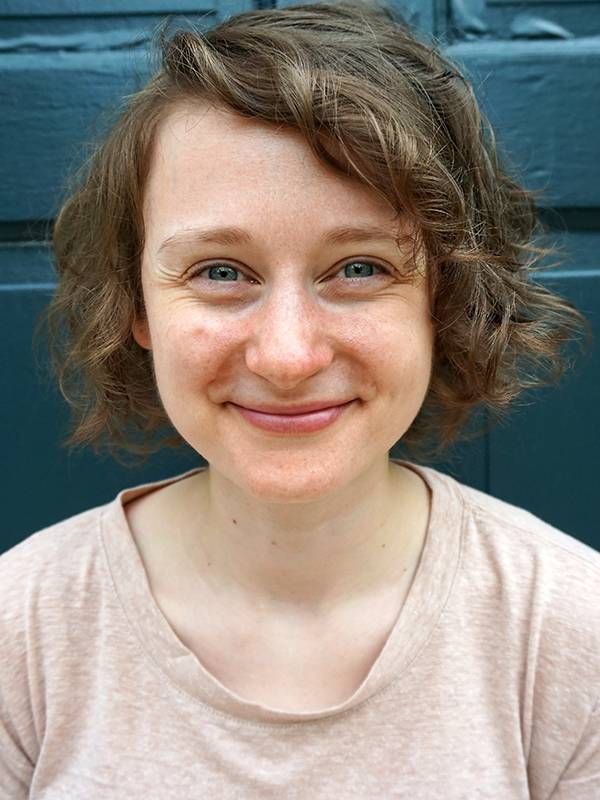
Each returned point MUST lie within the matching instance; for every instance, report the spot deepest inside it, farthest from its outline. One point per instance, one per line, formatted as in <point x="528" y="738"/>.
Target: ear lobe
<point x="141" y="334"/>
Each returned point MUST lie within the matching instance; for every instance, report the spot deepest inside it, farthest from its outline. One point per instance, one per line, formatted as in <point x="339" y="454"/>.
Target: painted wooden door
<point x="536" y="70"/>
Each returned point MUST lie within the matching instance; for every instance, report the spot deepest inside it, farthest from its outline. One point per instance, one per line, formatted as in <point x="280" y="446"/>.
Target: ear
<point x="141" y="334"/>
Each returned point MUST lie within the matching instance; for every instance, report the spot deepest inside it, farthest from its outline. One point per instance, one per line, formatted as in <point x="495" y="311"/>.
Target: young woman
<point x="296" y="247"/>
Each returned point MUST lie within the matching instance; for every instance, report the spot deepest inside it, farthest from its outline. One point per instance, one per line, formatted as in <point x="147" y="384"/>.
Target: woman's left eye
<point x="355" y="271"/>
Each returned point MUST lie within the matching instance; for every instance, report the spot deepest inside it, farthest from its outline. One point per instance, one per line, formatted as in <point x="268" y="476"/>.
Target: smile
<point x="293" y="423"/>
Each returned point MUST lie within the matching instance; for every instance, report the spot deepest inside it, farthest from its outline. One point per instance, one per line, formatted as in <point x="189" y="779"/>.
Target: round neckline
<point x="420" y="613"/>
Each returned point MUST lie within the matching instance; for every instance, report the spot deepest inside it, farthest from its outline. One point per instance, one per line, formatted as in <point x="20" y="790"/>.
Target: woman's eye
<point x="356" y="269"/>
<point x="223" y="273"/>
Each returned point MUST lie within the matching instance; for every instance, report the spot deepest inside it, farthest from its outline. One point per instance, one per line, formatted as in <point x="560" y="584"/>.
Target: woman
<point x="296" y="247"/>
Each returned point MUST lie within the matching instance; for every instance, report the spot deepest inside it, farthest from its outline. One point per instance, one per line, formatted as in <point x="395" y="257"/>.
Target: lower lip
<point x="293" y="423"/>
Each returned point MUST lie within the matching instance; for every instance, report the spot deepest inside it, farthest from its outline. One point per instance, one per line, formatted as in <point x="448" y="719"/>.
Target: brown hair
<point x="373" y="100"/>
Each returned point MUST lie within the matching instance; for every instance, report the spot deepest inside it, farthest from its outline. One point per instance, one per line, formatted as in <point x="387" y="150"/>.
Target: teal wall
<point x="64" y="65"/>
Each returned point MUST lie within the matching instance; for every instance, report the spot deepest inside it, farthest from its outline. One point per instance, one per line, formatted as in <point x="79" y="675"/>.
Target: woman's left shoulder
<point x="514" y="525"/>
<point x="540" y="573"/>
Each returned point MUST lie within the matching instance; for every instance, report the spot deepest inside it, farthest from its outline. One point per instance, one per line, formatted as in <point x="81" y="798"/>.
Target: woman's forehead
<point x="196" y="130"/>
<point x="207" y="160"/>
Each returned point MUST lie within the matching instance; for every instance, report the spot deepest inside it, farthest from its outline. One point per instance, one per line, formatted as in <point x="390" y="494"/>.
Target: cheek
<point x="189" y="348"/>
<point x="402" y="351"/>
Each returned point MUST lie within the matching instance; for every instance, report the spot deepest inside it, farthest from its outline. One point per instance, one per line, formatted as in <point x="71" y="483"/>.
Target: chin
<point x="285" y="480"/>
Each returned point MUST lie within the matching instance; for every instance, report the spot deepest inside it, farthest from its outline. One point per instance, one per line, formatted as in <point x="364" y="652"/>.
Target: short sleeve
<point x="581" y="778"/>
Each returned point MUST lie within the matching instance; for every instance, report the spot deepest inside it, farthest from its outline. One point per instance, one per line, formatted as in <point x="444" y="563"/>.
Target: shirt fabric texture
<point x="487" y="687"/>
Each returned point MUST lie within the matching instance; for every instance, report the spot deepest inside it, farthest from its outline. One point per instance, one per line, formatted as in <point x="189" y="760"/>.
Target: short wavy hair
<point x="374" y="101"/>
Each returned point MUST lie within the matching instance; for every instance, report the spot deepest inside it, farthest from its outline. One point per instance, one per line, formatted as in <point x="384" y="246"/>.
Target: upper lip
<point x="294" y="409"/>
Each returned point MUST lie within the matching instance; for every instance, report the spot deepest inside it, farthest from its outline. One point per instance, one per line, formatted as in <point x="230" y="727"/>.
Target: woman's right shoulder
<point x="51" y="586"/>
<point x="48" y="561"/>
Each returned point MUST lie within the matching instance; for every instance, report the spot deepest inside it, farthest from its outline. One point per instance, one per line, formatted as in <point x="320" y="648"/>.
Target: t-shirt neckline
<point x="421" y="612"/>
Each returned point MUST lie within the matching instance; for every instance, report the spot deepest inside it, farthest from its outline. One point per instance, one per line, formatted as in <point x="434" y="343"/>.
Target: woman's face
<point x="280" y="315"/>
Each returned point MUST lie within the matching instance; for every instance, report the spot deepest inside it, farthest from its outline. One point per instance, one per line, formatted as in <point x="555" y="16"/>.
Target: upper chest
<point x="288" y="664"/>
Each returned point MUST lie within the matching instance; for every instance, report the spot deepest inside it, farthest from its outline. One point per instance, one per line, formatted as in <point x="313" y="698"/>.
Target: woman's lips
<point x="293" y="423"/>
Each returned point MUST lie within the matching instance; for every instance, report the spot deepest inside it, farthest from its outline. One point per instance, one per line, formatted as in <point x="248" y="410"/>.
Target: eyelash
<point x="385" y="270"/>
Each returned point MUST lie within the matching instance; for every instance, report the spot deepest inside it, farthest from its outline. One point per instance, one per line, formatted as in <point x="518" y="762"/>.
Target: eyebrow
<point x="232" y="235"/>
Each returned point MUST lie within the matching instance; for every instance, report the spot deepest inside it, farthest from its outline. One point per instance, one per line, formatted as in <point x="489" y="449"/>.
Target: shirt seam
<point x="481" y="511"/>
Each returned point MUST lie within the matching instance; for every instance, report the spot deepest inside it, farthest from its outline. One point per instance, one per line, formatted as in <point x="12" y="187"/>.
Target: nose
<point x="289" y="341"/>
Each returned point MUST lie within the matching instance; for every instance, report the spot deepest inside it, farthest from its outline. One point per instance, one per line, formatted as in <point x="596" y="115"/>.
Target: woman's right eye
<point x="218" y="273"/>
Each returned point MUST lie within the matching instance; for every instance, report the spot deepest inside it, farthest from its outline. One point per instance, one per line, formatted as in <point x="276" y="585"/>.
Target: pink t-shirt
<point x="487" y="687"/>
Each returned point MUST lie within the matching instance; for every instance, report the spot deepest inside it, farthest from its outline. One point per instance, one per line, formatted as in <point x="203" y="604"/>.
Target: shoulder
<point x="499" y="525"/>
<point x="51" y="571"/>
<point x="531" y="540"/>
<point x="51" y="551"/>
<point x="67" y="558"/>
<point x="542" y="583"/>
<point x="51" y="587"/>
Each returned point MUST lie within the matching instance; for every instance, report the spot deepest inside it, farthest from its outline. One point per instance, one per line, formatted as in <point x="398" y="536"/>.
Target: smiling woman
<point x="296" y="247"/>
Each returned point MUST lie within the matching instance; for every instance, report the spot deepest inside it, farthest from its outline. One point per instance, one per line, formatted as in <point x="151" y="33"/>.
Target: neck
<point x="310" y="558"/>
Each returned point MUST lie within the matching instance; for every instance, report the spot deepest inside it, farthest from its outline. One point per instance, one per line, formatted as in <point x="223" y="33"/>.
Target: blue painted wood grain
<point x="86" y="8"/>
<point x="543" y="99"/>
<point x="59" y="100"/>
